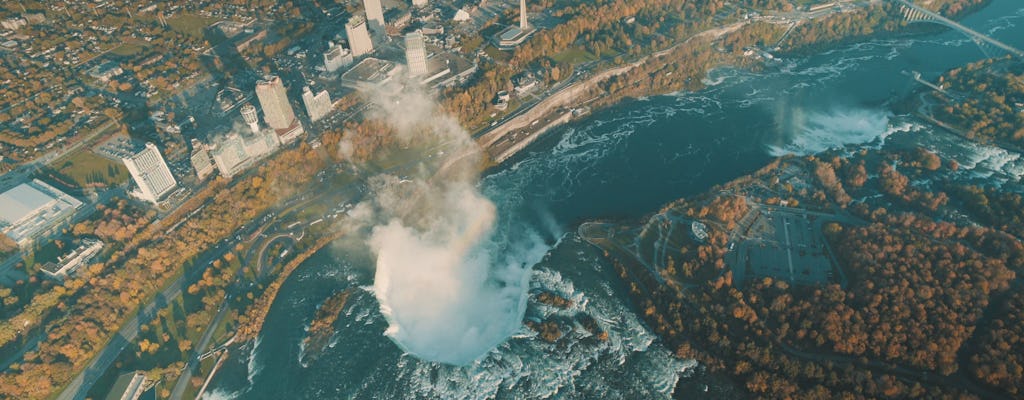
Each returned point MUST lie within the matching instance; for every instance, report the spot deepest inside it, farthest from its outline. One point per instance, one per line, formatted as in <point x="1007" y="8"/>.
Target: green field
<point x="574" y="55"/>
<point x="190" y="24"/>
<point x="86" y="169"/>
<point x="498" y="55"/>
<point x="128" y="49"/>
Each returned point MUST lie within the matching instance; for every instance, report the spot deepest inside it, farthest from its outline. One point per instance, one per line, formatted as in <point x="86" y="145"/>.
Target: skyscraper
<point x="358" y="37"/>
<point x="513" y="36"/>
<point x="523" y="24"/>
<point x="415" y="54"/>
<point x="318" y="105"/>
<point x="274" y="100"/>
<point x="150" y="172"/>
<point x="249" y="115"/>
<point x="374" y="15"/>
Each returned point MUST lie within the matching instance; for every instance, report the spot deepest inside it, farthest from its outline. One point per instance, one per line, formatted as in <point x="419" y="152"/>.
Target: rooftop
<point x="371" y="71"/>
<point x="33" y="207"/>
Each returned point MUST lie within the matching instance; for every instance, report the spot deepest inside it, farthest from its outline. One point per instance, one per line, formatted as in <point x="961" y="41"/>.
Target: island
<point x="321" y="329"/>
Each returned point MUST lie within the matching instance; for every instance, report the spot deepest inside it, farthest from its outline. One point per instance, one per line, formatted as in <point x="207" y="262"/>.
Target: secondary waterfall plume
<point x="451" y="279"/>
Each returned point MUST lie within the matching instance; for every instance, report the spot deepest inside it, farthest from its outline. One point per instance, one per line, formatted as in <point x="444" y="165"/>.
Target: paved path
<point x="193" y="360"/>
<point x="80" y="386"/>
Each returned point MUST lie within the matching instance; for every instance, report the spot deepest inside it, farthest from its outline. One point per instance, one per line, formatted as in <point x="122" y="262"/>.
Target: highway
<point x="193" y="359"/>
<point x="79" y="387"/>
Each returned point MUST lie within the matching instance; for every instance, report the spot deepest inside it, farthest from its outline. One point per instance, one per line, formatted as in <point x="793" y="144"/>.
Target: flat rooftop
<point x="33" y="207"/>
<point x="370" y="70"/>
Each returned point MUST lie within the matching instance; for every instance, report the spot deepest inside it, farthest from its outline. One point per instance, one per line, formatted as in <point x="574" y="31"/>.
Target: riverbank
<point x="515" y="134"/>
<point x="252" y="323"/>
<point x="505" y="140"/>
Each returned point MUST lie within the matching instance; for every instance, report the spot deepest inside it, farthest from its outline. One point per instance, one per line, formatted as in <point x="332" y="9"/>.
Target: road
<point x="193" y="360"/>
<point x="81" y="214"/>
<point x="80" y="386"/>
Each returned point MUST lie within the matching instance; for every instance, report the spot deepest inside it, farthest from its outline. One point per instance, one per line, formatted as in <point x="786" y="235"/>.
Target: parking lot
<point x="784" y="244"/>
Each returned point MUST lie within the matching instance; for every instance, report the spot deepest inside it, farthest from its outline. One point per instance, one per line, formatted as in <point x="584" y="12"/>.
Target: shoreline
<point x="257" y="313"/>
<point x="558" y="107"/>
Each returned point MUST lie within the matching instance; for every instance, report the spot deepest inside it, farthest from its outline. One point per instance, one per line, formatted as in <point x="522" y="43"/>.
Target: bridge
<point x="914" y="13"/>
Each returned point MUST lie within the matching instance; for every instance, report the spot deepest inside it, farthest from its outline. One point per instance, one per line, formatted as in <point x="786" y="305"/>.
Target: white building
<point x="15" y="23"/>
<point x="251" y="118"/>
<point x="150" y="172"/>
<point x="513" y="36"/>
<point x="71" y="262"/>
<point x="34" y="209"/>
<point x="201" y="160"/>
<point x="277" y="112"/>
<point x="274" y="99"/>
<point x="130" y="386"/>
<point x="419" y="3"/>
<point x="416" y="54"/>
<point x="318" y="105"/>
<point x="374" y="15"/>
<point x="358" y="36"/>
<point x="234" y="153"/>
<point x="337" y="57"/>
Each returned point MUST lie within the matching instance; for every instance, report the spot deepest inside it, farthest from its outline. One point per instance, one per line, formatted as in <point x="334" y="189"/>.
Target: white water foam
<point x="527" y="367"/>
<point x="811" y="132"/>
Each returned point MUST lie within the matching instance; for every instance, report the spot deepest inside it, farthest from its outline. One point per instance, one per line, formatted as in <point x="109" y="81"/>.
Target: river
<point x="622" y="162"/>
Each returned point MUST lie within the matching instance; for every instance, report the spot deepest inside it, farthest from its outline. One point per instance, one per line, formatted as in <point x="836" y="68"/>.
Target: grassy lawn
<point x="190" y="24"/>
<point x="85" y="168"/>
<point x="128" y="49"/>
<point x="498" y="55"/>
<point x="574" y="56"/>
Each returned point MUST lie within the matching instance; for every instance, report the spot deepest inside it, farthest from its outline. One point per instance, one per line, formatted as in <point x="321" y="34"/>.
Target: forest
<point x="140" y="268"/>
<point x="932" y="308"/>
<point x="987" y="101"/>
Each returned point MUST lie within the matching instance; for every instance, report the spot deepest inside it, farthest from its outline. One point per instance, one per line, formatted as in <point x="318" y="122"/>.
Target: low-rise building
<point x="234" y="153"/>
<point x="13" y="23"/>
<point x="369" y="72"/>
<point x="70" y="263"/>
<point x="132" y="386"/>
<point x="105" y="72"/>
<point x="525" y="83"/>
<point x="34" y="209"/>
<point x="337" y="57"/>
<point x="201" y="160"/>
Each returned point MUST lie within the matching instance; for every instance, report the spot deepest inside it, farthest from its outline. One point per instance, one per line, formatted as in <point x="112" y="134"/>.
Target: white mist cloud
<point x="450" y="279"/>
<point x="806" y="132"/>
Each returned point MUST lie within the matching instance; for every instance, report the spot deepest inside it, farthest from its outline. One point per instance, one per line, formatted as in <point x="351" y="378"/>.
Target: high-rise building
<point x="374" y="16"/>
<point x="150" y="172"/>
<point x="318" y="105"/>
<point x="274" y="100"/>
<point x="358" y="37"/>
<point x="201" y="160"/>
<point x="513" y="36"/>
<point x="251" y="118"/>
<point x="337" y="57"/>
<point x="277" y="112"/>
<point x="523" y="24"/>
<point x="415" y="54"/>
